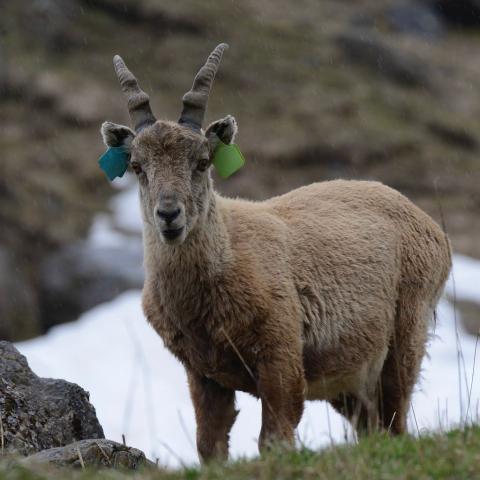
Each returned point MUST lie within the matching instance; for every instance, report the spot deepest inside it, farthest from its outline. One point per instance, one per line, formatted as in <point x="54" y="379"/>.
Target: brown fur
<point x="322" y="293"/>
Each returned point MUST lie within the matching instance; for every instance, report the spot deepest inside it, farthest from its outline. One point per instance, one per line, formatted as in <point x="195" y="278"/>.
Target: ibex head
<point x="171" y="160"/>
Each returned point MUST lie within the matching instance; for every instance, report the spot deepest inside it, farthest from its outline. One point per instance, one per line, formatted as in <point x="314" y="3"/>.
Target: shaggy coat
<point x="324" y="293"/>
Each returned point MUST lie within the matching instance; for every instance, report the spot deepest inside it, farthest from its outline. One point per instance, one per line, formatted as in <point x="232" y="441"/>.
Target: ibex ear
<point x="224" y="129"/>
<point x="117" y="135"/>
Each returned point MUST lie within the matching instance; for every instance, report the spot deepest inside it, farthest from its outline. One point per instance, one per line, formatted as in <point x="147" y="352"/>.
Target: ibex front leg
<point x="215" y="414"/>
<point x="281" y="387"/>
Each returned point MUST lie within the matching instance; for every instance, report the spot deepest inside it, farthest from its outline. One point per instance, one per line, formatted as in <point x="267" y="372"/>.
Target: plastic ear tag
<point x="114" y="162"/>
<point x="227" y="159"/>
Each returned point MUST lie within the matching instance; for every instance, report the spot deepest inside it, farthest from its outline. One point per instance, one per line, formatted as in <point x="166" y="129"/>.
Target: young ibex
<point x="322" y="293"/>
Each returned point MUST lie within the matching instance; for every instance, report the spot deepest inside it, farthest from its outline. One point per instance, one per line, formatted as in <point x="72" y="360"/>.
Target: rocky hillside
<point x="385" y="90"/>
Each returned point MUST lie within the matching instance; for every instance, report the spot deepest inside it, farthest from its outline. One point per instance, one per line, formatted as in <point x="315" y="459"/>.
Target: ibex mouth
<point x="172" y="234"/>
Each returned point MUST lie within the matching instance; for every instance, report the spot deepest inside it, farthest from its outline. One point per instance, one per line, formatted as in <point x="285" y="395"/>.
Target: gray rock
<point x="82" y="275"/>
<point x="371" y="50"/>
<point x="39" y="413"/>
<point x="416" y="18"/>
<point x="92" y="453"/>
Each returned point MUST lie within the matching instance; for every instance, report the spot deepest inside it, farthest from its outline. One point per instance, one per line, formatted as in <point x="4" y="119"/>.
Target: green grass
<point x="453" y="455"/>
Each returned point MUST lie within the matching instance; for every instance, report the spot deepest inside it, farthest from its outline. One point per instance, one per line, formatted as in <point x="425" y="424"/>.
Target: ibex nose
<point x="168" y="215"/>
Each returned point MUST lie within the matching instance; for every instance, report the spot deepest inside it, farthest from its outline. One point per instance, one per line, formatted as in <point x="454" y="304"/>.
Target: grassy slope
<point x="448" y="455"/>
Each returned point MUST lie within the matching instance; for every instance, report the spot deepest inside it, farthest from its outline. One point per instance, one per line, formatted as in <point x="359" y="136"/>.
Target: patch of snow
<point x="126" y="210"/>
<point x="102" y="233"/>
<point x="449" y="388"/>
<point x="124" y="221"/>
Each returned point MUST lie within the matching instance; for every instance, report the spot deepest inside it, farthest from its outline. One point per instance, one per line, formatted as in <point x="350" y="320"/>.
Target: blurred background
<point x="385" y="90"/>
<point x="361" y="89"/>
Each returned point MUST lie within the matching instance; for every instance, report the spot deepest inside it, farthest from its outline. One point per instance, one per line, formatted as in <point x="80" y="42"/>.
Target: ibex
<point x="324" y="293"/>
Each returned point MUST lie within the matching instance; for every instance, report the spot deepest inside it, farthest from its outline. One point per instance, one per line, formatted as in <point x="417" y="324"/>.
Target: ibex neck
<point x="204" y="252"/>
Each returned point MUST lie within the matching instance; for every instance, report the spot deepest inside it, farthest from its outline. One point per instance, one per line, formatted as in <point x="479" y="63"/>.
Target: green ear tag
<point x="114" y="162"/>
<point x="227" y="159"/>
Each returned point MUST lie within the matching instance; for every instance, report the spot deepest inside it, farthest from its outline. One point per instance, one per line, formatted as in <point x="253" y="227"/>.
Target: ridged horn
<point x="138" y="101"/>
<point x="195" y="100"/>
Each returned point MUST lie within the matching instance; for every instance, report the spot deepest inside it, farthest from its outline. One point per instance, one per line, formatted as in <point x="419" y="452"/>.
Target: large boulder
<point x="91" y="453"/>
<point x="39" y="413"/>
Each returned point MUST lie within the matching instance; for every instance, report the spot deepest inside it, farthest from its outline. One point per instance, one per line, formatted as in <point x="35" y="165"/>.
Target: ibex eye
<point x="203" y="163"/>
<point x="136" y="167"/>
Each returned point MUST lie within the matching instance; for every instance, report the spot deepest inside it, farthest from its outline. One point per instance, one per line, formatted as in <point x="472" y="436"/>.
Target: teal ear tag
<point x="227" y="159"/>
<point x="114" y="162"/>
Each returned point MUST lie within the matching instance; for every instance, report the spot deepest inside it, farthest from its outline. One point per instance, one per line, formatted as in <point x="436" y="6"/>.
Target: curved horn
<point x="138" y="100"/>
<point x="195" y="100"/>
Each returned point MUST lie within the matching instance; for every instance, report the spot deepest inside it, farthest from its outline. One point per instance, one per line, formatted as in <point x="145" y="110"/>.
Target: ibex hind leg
<point x="361" y="413"/>
<point x="402" y="365"/>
